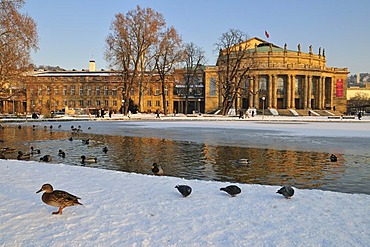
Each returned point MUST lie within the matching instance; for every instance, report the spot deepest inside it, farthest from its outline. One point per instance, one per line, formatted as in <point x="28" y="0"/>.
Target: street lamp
<point x="263" y="107"/>
<point x="199" y="106"/>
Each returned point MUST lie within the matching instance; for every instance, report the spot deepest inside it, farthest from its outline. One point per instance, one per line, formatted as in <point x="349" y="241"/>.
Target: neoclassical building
<point x="290" y="79"/>
<point x="278" y="78"/>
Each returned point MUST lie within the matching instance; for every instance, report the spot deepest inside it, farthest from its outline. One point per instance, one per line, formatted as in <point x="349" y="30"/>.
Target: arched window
<point x="280" y="85"/>
<point x="263" y="84"/>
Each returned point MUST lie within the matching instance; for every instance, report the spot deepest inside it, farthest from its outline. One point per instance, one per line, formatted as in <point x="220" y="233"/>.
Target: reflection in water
<point x="197" y="161"/>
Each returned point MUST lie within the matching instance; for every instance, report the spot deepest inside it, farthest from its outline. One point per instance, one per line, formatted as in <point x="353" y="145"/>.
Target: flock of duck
<point x="7" y="152"/>
<point x="63" y="199"/>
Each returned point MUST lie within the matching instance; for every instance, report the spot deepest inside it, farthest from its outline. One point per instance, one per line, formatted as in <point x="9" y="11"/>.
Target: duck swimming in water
<point x="85" y="159"/>
<point x="58" y="198"/>
<point x="46" y="158"/>
<point x="333" y="158"/>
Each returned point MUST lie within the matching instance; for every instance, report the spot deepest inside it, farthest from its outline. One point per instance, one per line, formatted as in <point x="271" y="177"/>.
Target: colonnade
<point x="313" y="92"/>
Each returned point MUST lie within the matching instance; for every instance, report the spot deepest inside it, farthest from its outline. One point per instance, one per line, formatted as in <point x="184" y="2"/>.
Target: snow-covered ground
<point x="126" y="209"/>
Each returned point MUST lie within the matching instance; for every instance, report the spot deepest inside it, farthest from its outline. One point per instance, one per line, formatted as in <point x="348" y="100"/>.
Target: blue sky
<point x="72" y="32"/>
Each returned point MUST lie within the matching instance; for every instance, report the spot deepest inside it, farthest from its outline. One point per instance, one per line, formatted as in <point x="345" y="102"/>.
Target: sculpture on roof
<point x="323" y="52"/>
<point x="299" y="47"/>
<point x="310" y="48"/>
<point x="319" y="51"/>
<point x="285" y="45"/>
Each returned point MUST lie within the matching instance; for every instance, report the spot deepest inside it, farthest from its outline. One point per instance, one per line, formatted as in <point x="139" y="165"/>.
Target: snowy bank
<point x="126" y="209"/>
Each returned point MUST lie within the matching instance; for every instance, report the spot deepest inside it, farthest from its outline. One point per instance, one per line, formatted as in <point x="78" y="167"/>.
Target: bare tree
<point x="194" y="58"/>
<point x="18" y="37"/>
<point x="169" y="52"/>
<point x="129" y="46"/>
<point x="232" y="68"/>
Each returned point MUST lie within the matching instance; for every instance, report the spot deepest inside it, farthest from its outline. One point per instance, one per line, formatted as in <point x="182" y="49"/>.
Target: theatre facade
<point x="278" y="78"/>
<point x="282" y="78"/>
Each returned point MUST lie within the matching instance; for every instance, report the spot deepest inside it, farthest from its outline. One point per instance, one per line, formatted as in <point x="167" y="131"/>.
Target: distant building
<point x="291" y="79"/>
<point x="284" y="78"/>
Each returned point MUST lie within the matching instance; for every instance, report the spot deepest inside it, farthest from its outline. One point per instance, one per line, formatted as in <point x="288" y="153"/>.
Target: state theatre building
<point x="291" y="79"/>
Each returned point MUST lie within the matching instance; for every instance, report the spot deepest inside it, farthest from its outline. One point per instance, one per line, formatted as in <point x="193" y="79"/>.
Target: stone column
<point x="269" y="99"/>
<point x="309" y="91"/>
<point x="305" y="92"/>
<point x="255" y="91"/>
<point x="323" y="105"/>
<point x="288" y="96"/>
<point x="292" y="104"/>
<point x="274" y="91"/>
<point x="251" y="88"/>
<point x="320" y="93"/>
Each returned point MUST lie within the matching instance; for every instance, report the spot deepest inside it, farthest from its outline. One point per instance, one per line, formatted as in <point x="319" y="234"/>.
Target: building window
<point x="157" y="103"/>
<point x="97" y="90"/>
<point x="64" y="90"/>
<point x="40" y="102"/>
<point x="106" y="103"/>
<point x="65" y="102"/>
<point x="114" y="102"/>
<point x="81" y="103"/>
<point x="263" y="84"/>
<point x="98" y="103"/>
<point x="73" y="90"/>
<point x="157" y="92"/>
<point x="114" y="92"/>
<point x="56" y="90"/>
<point x="40" y="90"/>
<point x="48" y="90"/>
<point x="150" y="91"/>
<point x="212" y="87"/>
<point x="132" y="91"/>
<point x="72" y="103"/>
<point x="106" y="91"/>
<point x="149" y="103"/>
<point x="81" y="90"/>
<point x="88" y="90"/>
<point x="280" y="85"/>
<point x="89" y="103"/>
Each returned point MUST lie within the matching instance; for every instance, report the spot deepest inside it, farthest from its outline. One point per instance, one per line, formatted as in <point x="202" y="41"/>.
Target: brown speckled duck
<point x="58" y="198"/>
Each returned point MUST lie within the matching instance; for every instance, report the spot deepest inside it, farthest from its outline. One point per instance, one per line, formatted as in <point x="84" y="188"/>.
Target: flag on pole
<point x="267" y="34"/>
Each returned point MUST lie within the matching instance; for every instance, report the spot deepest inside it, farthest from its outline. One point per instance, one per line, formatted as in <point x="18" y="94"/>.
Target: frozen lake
<point x="280" y="152"/>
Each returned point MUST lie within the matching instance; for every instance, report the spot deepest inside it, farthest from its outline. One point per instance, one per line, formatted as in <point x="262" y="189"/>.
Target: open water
<point x="205" y="160"/>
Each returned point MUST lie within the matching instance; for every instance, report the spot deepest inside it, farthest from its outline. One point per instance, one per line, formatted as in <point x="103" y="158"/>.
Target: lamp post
<point x="263" y="107"/>
<point x="199" y="106"/>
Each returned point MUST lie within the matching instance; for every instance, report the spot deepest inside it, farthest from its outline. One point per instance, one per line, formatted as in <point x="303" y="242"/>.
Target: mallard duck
<point x="23" y="156"/>
<point x="70" y="139"/>
<point x="61" y="153"/>
<point x="85" y="159"/>
<point x="58" y="198"/>
<point x="232" y="190"/>
<point x="59" y="126"/>
<point x="185" y="190"/>
<point x="35" y="150"/>
<point x="46" y="158"/>
<point x="105" y="150"/>
<point x="287" y="191"/>
<point x="333" y="158"/>
<point x="157" y="169"/>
